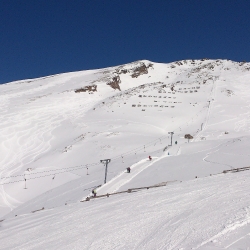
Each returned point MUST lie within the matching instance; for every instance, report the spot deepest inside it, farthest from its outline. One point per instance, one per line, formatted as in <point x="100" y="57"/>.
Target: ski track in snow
<point x="216" y="149"/>
<point x="28" y="143"/>
<point x="29" y="134"/>
<point x="229" y="228"/>
<point x="120" y="180"/>
<point x="205" y="124"/>
<point x="123" y="178"/>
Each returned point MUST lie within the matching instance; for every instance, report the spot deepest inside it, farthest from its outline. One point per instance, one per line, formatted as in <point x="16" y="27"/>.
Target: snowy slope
<point x="207" y="213"/>
<point x="55" y="130"/>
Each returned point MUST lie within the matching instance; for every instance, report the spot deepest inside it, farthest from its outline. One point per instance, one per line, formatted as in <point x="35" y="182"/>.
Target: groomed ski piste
<point x="193" y="194"/>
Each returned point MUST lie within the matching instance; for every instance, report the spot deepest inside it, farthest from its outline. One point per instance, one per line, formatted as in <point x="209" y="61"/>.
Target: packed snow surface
<point x="206" y="213"/>
<point x="55" y="130"/>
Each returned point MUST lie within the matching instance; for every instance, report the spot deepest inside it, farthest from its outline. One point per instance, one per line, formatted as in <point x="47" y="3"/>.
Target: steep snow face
<point x="55" y="130"/>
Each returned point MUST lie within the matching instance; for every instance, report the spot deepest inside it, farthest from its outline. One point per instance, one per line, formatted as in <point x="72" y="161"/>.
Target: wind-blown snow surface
<point x="55" y="130"/>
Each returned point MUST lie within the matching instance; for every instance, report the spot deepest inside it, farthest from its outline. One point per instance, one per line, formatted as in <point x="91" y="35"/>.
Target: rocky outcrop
<point x="114" y="83"/>
<point x="140" y="70"/>
<point x="135" y="69"/>
<point x="91" y="88"/>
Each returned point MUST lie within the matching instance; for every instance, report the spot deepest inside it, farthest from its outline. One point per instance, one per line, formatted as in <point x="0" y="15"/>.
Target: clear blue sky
<point x="45" y="37"/>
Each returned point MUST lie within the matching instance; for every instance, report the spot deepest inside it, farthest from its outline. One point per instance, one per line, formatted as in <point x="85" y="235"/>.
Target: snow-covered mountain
<point x="55" y="130"/>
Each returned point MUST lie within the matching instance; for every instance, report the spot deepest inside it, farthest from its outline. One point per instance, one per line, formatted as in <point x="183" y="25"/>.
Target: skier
<point x="128" y="170"/>
<point x="150" y="158"/>
<point x="175" y="142"/>
<point x="94" y="192"/>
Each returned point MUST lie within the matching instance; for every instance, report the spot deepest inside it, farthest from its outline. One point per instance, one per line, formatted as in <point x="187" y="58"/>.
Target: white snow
<point x="54" y="138"/>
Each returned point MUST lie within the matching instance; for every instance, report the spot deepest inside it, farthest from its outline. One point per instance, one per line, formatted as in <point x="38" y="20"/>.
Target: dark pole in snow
<point x="25" y="182"/>
<point x="106" y="162"/>
<point x="171" y="136"/>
